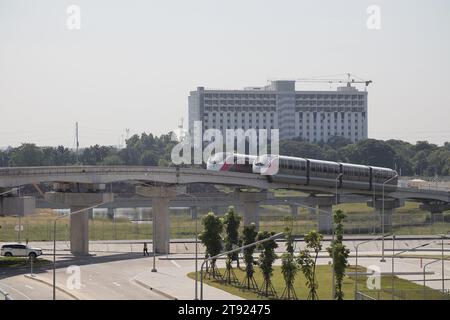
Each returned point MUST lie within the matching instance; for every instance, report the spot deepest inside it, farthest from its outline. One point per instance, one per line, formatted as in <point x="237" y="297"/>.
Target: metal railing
<point x="361" y="296"/>
<point x="5" y="295"/>
<point x="183" y="226"/>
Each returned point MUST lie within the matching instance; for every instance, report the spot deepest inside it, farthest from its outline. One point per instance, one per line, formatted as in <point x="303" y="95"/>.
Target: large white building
<point x="312" y="115"/>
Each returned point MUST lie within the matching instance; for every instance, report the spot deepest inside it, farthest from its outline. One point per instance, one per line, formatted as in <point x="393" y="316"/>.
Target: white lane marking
<point x="29" y="287"/>
<point x="19" y="292"/>
<point x="175" y="263"/>
<point x="116" y="284"/>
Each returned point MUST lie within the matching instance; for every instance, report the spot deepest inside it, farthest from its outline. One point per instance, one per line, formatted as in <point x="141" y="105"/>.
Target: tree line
<point x="422" y="158"/>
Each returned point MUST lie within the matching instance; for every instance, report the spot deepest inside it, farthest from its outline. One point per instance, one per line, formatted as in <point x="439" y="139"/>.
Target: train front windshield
<point x="260" y="163"/>
<point x="216" y="161"/>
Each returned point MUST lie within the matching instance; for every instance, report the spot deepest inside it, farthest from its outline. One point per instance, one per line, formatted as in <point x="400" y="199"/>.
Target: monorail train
<point x="225" y="161"/>
<point x="308" y="171"/>
<point x="325" y="173"/>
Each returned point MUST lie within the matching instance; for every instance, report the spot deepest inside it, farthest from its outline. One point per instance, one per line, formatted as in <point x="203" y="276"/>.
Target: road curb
<point x="34" y="277"/>
<point x="146" y="286"/>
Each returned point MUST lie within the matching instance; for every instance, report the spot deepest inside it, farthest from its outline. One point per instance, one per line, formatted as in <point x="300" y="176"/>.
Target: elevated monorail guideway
<point x="18" y="176"/>
<point x="163" y="190"/>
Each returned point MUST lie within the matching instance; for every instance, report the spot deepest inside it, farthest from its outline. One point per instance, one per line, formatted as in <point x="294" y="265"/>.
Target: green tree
<point x="249" y="237"/>
<point x="308" y="261"/>
<point x="370" y="152"/>
<point x="28" y="154"/>
<point x="289" y="266"/>
<point x="112" y="160"/>
<point x="339" y="254"/>
<point x="231" y="222"/>
<point x="265" y="262"/>
<point x="212" y="240"/>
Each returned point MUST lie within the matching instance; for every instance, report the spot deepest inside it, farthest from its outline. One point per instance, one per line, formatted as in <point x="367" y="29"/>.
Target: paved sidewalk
<point x="174" y="283"/>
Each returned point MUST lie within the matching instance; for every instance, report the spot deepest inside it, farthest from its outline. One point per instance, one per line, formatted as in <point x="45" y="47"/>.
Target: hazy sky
<point x="133" y="63"/>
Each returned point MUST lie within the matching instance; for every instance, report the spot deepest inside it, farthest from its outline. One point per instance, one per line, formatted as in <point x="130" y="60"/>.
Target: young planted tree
<point x="265" y="262"/>
<point x="231" y="222"/>
<point x="289" y="267"/>
<point x="308" y="260"/>
<point x="211" y="239"/>
<point x="249" y="236"/>
<point x="339" y="254"/>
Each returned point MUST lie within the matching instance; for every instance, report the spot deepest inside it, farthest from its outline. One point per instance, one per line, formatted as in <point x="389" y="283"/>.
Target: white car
<point x="20" y="250"/>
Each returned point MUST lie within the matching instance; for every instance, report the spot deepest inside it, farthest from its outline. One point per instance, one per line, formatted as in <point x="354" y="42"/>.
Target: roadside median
<point x="44" y="281"/>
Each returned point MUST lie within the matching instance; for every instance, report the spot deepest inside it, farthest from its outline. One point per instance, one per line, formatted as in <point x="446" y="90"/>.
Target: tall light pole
<point x="398" y="253"/>
<point x="196" y="243"/>
<point x="333" y="289"/>
<point x="424" y="270"/>
<point x="356" y="262"/>
<point x="442" y="265"/>
<point x="153" y="242"/>
<point x="382" y="216"/>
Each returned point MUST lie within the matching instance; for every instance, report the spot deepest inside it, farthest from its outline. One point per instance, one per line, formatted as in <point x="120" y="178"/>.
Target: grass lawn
<point x="17" y="262"/>
<point x="404" y="289"/>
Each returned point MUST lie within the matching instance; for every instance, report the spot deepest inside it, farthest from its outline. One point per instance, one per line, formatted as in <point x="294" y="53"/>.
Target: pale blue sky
<point x="133" y="63"/>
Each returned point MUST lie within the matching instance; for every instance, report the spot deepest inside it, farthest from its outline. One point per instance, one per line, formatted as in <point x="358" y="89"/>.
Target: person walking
<point x="146" y="249"/>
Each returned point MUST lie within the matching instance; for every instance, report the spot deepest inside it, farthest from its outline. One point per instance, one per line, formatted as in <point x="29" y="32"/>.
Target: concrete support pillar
<point x="324" y="211"/>
<point x="79" y="221"/>
<point x="436" y="208"/>
<point x="194" y="212"/>
<point x="79" y="230"/>
<point x="294" y="210"/>
<point x="161" y="197"/>
<point x="325" y="220"/>
<point x="251" y="213"/>
<point x="389" y="205"/>
<point x="250" y="202"/>
<point x="110" y="213"/>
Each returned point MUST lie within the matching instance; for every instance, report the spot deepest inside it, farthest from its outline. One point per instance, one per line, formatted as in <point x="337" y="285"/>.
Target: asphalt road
<point x="21" y="288"/>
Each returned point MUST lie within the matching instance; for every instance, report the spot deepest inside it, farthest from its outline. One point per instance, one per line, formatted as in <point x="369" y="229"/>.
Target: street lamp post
<point x="196" y="244"/>
<point x="396" y="254"/>
<point x="154" y="243"/>
<point x="382" y="217"/>
<point x="442" y="265"/>
<point x="20" y="227"/>
<point x="333" y="289"/>
<point x="356" y="262"/>
<point x="424" y="273"/>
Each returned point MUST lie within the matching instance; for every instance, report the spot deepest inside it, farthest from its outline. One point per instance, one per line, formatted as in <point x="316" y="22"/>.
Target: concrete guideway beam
<point x="161" y="196"/>
<point x="79" y="222"/>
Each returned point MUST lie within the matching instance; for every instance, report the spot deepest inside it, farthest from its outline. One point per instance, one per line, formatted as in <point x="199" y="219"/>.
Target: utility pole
<point x="77" y="143"/>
